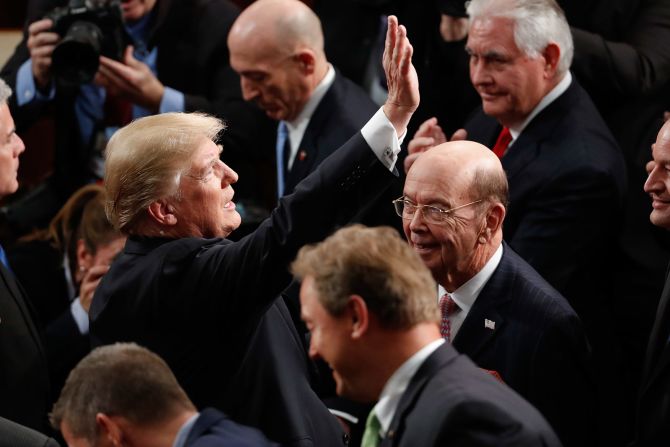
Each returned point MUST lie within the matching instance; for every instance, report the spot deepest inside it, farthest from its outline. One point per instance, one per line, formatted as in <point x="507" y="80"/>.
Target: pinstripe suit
<point x="537" y="344"/>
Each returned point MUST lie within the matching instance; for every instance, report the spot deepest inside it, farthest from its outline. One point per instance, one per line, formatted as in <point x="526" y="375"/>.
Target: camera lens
<point x="75" y="59"/>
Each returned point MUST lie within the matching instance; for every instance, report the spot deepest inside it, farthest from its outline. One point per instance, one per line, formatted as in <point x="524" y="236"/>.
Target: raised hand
<point x="132" y="80"/>
<point x="401" y="78"/>
<point x="41" y="44"/>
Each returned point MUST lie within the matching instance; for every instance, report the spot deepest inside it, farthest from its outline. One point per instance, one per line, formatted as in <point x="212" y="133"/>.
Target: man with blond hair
<point x="369" y="303"/>
<point x="209" y="306"/>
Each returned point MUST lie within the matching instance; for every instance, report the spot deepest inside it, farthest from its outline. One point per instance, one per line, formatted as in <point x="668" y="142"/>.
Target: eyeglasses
<point x="432" y="214"/>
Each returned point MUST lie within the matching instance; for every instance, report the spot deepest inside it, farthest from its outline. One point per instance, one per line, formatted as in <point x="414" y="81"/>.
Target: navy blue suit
<point x="215" y="429"/>
<point x="537" y="345"/>
<point x="451" y="402"/>
<point x="208" y="306"/>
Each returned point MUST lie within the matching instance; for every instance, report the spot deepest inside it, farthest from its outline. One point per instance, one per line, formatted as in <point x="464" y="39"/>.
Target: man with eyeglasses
<point x="495" y="307"/>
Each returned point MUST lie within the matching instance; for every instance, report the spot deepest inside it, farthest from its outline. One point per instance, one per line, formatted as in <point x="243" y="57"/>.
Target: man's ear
<point x="357" y="310"/>
<point x="162" y="213"/>
<point x="552" y="56"/>
<point x="109" y="428"/>
<point x="494" y="219"/>
<point x="84" y="258"/>
<point x="307" y="60"/>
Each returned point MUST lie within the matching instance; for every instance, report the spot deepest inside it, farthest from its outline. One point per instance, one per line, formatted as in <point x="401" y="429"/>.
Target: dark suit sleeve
<point x="634" y="65"/>
<point x="15" y="435"/>
<point x="483" y="424"/>
<point x="562" y="385"/>
<point x="561" y="220"/>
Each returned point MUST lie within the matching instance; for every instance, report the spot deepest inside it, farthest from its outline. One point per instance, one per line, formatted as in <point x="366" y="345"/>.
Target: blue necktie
<point x="3" y="258"/>
<point x="282" y="139"/>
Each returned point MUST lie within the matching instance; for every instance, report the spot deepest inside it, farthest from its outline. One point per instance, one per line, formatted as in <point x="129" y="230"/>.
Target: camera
<point x="88" y="29"/>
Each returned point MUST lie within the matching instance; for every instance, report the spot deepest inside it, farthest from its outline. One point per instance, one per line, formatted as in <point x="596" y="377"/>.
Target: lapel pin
<point x="302" y="155"/>
<point x="489" y="324"/>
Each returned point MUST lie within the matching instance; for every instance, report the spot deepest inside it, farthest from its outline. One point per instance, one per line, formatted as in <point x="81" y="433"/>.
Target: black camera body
<point x="89" y="29"/>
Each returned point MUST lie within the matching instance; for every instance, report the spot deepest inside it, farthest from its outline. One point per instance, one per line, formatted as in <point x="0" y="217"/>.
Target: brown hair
<point x="123" y="379"/>
<point x="376" y="264"/>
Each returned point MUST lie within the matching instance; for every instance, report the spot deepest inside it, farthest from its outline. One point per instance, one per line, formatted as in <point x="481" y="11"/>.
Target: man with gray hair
<point x="369" y="302"/>
<point x="566" y="175"/>
<point x="126" y="394"/>
<point x="25" y="382"/>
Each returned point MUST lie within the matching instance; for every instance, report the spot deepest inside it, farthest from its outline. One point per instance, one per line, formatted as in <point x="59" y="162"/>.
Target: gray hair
<point x="5" y="92"/>
<point x="145" y="160"/>
<point x="537" y="24"/>
<point x="123" y="379"/>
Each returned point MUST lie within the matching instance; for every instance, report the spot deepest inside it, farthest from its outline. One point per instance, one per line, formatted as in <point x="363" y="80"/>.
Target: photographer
<point x="177" y="60"/>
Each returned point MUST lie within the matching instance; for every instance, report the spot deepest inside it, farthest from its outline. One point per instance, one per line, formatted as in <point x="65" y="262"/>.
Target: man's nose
<point x="249" y="90"/>
<point x="229" y="176"/>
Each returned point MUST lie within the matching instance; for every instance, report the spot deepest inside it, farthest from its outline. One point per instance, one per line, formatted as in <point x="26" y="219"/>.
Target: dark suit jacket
<point x="192" y="57"/>
<point x="538" y="347"/>
<point x="15" y="435"/>
<point x="653" y="409"/>
<point x="202" y="304"/>
<point x="65" y="345"/>
<point x="567" y="183"/>
<point x="24" y="379"/>
<point x="343" y="110"/>
<point x="215" y="429"/>
<point x="451" y="402"/>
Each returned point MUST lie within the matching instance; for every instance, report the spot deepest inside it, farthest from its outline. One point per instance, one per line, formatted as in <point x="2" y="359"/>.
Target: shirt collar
<point x="184" y="431"/>
<point x="550" y="97"/>
<point x="466" y="295"/>
<point x="313" y="100"/>
<point x="397" y="384"/>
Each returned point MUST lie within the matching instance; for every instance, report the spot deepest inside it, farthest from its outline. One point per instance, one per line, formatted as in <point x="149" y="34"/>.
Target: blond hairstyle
<point x="376" y="264"/>
<point x="122" y="379"/>
<point x="146" y="159"/>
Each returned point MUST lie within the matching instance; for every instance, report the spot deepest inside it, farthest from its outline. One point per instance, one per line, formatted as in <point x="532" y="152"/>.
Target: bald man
<point x="653" y="412"/>
<point x="276" y="46"/>
<point x="495" y="307"/>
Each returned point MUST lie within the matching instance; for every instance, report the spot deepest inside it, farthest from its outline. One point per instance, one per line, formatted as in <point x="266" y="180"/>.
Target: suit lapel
<point x="308" y="149"/>
<point x="207" y="418"/>
<point x="436" y="361"/>
<point x="528" y="145"/>
<point x="484" y="321"/>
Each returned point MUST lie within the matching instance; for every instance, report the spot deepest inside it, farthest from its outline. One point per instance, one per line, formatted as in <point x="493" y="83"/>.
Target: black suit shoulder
<point x="451" y="402"/>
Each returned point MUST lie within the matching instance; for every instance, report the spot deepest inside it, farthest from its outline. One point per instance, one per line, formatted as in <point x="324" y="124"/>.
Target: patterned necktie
<point x="504" y="139"/>
<point x="282" y="142"/>
<point x="447" y="307"/>
<point x="371" y="436"/>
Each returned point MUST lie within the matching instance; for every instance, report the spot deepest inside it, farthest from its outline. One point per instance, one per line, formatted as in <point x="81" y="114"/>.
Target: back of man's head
<point x="537" y="24"/>
<point x="123" y="380"/>
<point x="376" y="264"/>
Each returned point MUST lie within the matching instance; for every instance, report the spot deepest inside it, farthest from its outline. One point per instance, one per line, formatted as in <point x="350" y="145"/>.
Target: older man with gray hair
<point x="25" y="382"/>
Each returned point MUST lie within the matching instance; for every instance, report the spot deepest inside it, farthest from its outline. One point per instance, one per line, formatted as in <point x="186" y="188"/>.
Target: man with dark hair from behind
<point x="369" y="303"/>
<point x="124" y="394"/>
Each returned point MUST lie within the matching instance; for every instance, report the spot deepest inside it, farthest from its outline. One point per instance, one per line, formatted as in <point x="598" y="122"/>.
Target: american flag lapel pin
<point x="302" y="155"/>
<point x="489" y="324"/>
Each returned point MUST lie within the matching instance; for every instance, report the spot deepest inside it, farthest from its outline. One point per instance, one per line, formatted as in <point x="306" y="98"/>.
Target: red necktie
<point x="447" y="307"/>
<point x="504" y="139"/>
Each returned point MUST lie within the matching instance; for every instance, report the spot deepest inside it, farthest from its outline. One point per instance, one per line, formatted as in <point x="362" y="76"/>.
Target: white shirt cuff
<point x="381" y="136"/>
<point x="79" y="315"/>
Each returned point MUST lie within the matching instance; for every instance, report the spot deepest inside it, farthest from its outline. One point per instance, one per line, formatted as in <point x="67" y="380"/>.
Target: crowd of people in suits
<point x="240" y="244"/>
